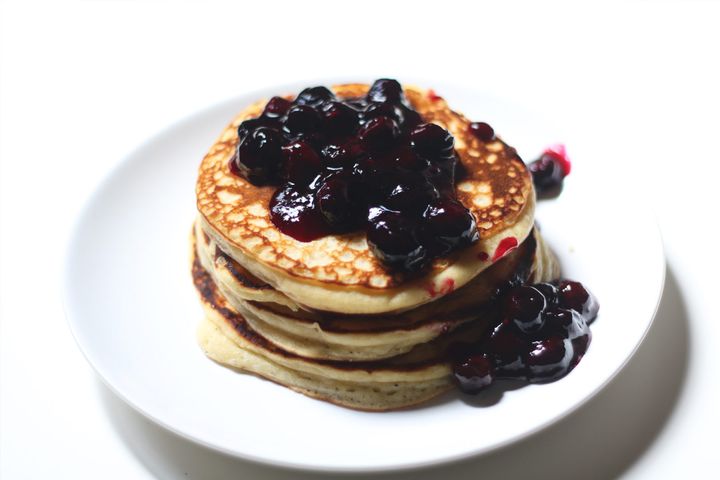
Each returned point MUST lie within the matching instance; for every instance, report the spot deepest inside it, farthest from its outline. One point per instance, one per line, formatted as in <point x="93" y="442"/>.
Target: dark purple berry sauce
<point x="549" y="171"/>
<point x="541" y="336"/>
<point x="369" y="163"/>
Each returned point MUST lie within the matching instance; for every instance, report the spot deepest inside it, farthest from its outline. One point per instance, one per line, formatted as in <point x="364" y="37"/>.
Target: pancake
<point x="402" y="381"/>
<point x="330" y="335"/>
<point x="398" y="382"/>
<point x="370" y="396"/>
<point x="339" y="272"/>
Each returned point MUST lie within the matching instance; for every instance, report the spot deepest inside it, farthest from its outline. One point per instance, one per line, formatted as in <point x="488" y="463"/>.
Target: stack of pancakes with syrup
<point x="326" y="318"/>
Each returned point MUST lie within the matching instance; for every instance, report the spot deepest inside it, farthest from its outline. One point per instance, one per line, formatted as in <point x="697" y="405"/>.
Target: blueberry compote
<point x="542" y="334"/>
<point x="369" y="163"/>
<point x="549" y="171"/>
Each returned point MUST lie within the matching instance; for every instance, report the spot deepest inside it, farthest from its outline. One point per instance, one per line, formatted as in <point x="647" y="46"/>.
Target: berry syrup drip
<point x="549" y="171"/>
<point x="542" y="335"/>
<point x="370" y="163"/>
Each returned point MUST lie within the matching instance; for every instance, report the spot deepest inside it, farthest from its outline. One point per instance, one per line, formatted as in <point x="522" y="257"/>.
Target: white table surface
<point x="82" y="83"/>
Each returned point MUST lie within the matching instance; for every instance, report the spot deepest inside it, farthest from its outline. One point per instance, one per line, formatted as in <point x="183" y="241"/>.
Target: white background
<point x="82" y="83"/>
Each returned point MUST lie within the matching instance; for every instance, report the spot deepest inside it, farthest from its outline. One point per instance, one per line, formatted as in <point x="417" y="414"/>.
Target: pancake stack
<point x="326" y="318"/>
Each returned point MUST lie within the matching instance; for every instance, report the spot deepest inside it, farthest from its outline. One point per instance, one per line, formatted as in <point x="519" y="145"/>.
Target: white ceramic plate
<point x="133" y="310"/>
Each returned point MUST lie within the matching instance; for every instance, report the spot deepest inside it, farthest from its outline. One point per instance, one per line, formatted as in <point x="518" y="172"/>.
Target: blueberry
<point x="379" y="133"/>
<point x="507" y="348"/>
<point x="448" y="225"/>
<point x="383" y="109"/>
<point x="407" y="159"/>
<point x="301" y="119"/>
<point x="342" y="154"/>
<point x="335" y="203"/>
<point x="259" y="155"/>
<point x="546" y="352"/>
<point x="384" y="89"/>
<point x="314" y="138"/>
<point x="580" y="345"/>
<point x="547" y="175"/>
<point x="548" y="359"/>
<point x="574" y="295"/>
<point x="430" y="138"/>
<point x="248" y="126"/>
<point x="302" y="163"/>
<point x="410" y="118"/>
<point x="549" y="291"/>
<point x="314" y="96"/>
<point x="557" y="320"/>
<point x="392" y="238"/>
<point x="482" y="131"/>
<point x="442" y="179"/>
<point x="276" y="107"/>
<point x="579" y="326"/>
<point x="339" y="118"/>
<point x="474" y="373"/>
<point x="373" y="179"/>
<point x="410" y="195"/>
<point x="524" y="305"/>
<point x="365" y="170"/>
<point x="295" y="210"/>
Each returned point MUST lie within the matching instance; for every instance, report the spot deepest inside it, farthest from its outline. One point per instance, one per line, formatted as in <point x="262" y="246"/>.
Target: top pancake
<point x="339" y="272"/>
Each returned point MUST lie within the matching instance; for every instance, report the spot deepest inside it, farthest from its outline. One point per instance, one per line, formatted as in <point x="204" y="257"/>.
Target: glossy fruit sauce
<point x="361" y="164"/>
<point x="549" y="171"/>
<point x="542" y="335"/>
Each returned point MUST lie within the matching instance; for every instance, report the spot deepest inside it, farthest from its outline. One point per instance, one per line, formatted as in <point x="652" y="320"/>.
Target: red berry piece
<point x="559" y="152"/>
<point x="504" y="247"/>
<point x="434" y="97"/>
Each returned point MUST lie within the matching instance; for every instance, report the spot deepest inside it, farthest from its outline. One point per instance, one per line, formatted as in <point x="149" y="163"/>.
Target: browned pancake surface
<point x="463" y="303"/>
<point x="496" y="189"/>
<point x="420" y="357"/>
